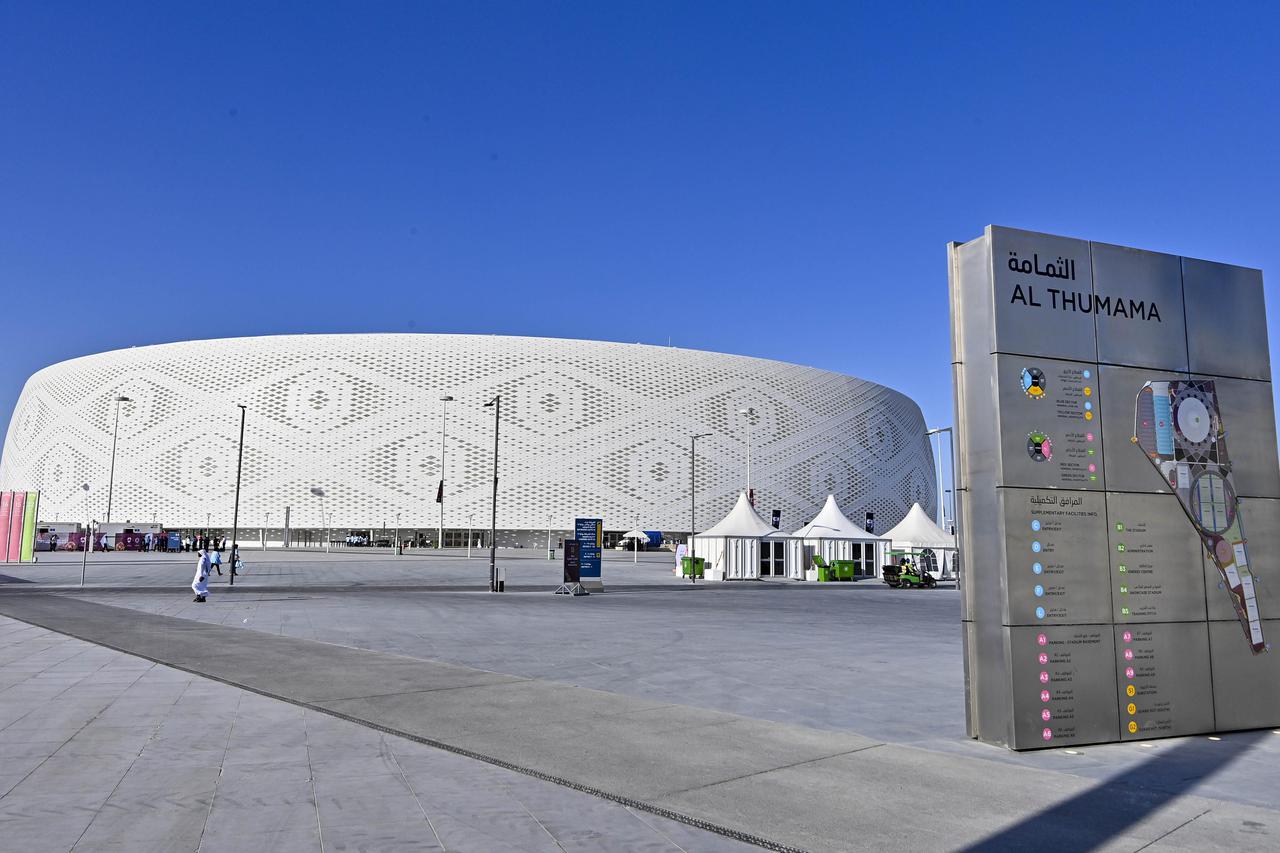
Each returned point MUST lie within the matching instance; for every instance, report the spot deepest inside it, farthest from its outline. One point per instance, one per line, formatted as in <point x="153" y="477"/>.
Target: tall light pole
<point x="693" y="503"/>
<point x="951" y="447"/>
<point x="470" y="522"/>
<point x="235" y="513"/>
<point x="266" y="521"/>
<point x="496" y="402"/>
<point x="319" y="492"/>
<point x="115" y="432"/>
<point x="395" y="543"/>
<point x="551" y="555"/>
<point x="444" y="418"/>
<point x="749" y="413"/>
<point x="951" y="462"/>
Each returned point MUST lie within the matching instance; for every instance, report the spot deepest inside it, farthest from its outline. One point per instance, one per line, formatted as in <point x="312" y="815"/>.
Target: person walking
<point x="215" y="559"/>
<point x="200" y="584"/>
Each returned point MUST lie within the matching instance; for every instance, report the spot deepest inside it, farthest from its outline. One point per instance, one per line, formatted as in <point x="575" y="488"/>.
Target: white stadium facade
<point x="588" y="429"/>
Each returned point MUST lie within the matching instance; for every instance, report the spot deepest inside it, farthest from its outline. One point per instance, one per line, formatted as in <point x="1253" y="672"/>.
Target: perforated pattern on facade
<point x="588" y="429"/>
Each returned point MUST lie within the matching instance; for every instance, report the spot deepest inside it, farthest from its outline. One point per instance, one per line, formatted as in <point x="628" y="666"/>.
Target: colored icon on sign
<point x="1047" y="734"/>
<point x="1037" y="568"/>
<point x="1092" y="467"/>
<point x="1122" y="568"/>
<point x="1133" y="727"/>
<point x="1035" y="524"/>
<point x="1132" y="709"/>
<point x="1088" y="392"/>
<point x="1039" y="612"/>
<point x="1044" y="695"/>
<point x="1088" y="407"/>
<point x="1045" y="715"/>
<point x="1130" y="690"/>
<point x="1044" y="677"/>
<point x="1124" y="611"/>
<point x="1088" y="416"/>
<point x="1044" y="658"/>
<point x="1088" y="374"/>
<point x="1128" y="636"/>
<point x="1041" y="639"/>
<point x="1039" y="591"/>
<point x="1128" y="654"/>
<point x="1088" y="436"/>
<point x="1128" y="672"/>
<point x="1033" y="382"/>
<point x="1035" y="547"/>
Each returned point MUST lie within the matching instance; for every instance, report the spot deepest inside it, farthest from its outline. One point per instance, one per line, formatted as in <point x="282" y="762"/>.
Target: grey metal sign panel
<point x="1064" y="690"/>
<point x="1138" y="307"/>
<point x="1042" y="286"/>
<point x="1226" y="320"/>
<point x="1126" y="465"/>
<point x="1157" y="572"/>
<point x="1050" y="423"/>
<point x="1246" y="687"/>
<point x="1056" y="562"/>
<point x="1249" y="417"/>
<point x="1260" y="519"/>
<point x="1163" y="680"/>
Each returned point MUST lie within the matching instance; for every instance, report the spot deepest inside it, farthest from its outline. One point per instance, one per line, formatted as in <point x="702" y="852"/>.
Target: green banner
<point x="29" y="527"/>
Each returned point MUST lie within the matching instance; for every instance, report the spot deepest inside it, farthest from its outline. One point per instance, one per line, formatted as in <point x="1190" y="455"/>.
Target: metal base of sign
<point x="571" y="589"/>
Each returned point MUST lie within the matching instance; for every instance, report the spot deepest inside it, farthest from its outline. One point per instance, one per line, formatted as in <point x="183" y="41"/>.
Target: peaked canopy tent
<point x="832" y="536"/>
<point x="732" y="548"/>
<point x="929" y="545"/>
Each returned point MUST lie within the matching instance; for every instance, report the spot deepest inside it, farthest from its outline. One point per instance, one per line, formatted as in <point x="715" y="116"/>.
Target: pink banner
<point x="17" y="510"/>
<point x="6" y="515"/>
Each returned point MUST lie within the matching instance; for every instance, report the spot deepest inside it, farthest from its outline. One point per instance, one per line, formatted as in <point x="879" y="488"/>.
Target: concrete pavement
<point x="786" y="785"/>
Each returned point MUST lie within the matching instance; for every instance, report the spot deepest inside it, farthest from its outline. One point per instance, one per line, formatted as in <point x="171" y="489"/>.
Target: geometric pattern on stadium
<point x="589" y="428"/>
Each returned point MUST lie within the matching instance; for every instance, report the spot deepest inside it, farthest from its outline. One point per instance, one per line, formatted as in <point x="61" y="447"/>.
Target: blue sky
<point x="777" y="180"/>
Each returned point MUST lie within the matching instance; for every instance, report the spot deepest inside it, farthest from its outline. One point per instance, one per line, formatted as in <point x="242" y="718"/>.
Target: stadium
<point x="345" y="432"/>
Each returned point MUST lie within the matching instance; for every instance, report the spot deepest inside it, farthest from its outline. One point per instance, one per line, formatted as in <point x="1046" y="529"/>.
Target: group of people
<point x="210" y="560"/>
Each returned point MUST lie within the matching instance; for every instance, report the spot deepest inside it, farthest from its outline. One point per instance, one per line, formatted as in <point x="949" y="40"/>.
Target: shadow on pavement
<point x="1094" y="817"/>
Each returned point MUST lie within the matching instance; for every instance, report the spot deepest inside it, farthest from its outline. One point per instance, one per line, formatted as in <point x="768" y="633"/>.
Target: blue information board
<point x="589" y="533"/>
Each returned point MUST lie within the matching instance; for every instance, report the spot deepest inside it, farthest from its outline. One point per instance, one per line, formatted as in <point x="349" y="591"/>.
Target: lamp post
<point x="444" y="419"/>
<point x="470" y="521"/>
<point x="319" y="492"/>
<point x="551" y="555"/>
<point x="693" y="503"/>
<point x="396" y="542"/>
<point x="749" y="413"/>
<point x="496" y="402"/>
<point x="951" y="448"/>
<point x="235" y="513"/>
<point x="266" y="520"/>
<point x="115" y="432"/>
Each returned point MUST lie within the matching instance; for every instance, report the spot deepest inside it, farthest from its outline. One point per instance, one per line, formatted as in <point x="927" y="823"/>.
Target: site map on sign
<point x="1179" y="427"/>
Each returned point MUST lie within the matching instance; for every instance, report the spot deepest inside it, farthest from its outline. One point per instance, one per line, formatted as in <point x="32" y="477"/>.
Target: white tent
<point x="732" y="547"/>
<point x="918" y="535"/>
<point x="833" y="536"/>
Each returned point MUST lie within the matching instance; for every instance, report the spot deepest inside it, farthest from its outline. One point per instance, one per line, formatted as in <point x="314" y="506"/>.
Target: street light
<point x="396" y="541"/>
<point x="266" y="522"/>
<point x="470" y="521"/>
<point x="951" y="448"/>
<point x="749" y="413"/>
<point x="235" y="513"/>
<point x="444" y="416"/>
<point x="693" y="505"/>
<point x="496" y="402"/>
<point x="115" y="432"/>
<point x="319" y="492"/>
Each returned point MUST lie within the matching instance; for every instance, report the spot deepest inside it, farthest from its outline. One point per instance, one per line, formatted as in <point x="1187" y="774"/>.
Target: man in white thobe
<point x="200" y="585"/>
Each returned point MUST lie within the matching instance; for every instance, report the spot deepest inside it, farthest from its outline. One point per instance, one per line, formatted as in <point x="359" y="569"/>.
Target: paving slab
<point x="781" y="785"/>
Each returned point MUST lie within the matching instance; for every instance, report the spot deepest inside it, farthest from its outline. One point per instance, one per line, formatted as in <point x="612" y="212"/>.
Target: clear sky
<point x="777" y="180"/>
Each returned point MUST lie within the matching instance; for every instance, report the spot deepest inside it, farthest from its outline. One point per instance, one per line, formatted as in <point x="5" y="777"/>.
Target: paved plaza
<point x="390" y="703"/>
